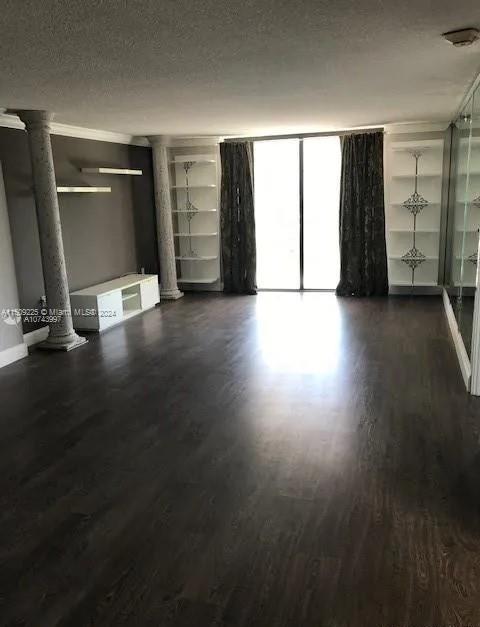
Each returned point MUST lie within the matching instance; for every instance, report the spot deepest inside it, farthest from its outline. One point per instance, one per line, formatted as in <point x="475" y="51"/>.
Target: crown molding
<point x="172" y="141"/>
<point x="67" y="130"/>
<point x="416" y="127"/>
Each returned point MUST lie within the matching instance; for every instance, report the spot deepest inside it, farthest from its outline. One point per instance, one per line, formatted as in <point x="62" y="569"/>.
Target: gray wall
<point x="10" y="334"/>
<point x="105" y="235"/>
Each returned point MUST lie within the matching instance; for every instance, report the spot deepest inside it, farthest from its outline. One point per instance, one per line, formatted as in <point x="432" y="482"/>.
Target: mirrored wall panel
<point x="464" y="216"/>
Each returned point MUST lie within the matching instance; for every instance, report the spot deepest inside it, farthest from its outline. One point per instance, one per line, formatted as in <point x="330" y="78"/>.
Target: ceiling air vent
<point x="464" y="37"/>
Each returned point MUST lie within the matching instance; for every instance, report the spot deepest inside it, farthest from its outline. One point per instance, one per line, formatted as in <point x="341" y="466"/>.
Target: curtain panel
<point x="363" y="255"/>
<point x="237" y="218"/>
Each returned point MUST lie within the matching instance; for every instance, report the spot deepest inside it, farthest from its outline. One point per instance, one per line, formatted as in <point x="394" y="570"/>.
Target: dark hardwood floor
<point x="281" y="460"/>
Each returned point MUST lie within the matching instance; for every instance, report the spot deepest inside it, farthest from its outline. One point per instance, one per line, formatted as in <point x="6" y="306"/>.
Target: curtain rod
<point x="304" y="135"/>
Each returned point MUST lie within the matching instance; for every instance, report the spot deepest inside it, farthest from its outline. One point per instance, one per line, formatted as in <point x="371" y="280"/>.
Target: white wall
<point x="12" y="346"/>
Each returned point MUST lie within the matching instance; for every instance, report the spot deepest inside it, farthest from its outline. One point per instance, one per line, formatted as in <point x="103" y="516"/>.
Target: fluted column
<point x="62" y="335"/>
<point x="163" y="207"/>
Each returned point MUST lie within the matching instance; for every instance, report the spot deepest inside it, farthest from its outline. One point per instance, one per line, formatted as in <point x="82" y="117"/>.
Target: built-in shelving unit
<point x="413" y="186"/>
<point x="83" y="190"/>
<point x="102" y="170"/>
<point x="194" y="177"/>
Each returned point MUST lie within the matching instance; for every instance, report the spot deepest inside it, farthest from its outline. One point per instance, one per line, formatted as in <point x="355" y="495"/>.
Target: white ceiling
<point x="232" y="67"/>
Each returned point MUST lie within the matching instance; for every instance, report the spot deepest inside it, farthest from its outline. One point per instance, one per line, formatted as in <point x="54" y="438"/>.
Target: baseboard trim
<point x="35" y="337"/>
<point x="418" y="290"/>
<point x="9" y="355"/>
<point x="463" y="360"/>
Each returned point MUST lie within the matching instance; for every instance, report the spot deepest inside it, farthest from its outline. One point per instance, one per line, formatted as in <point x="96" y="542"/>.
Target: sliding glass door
<point x="321" y="204"/>
<point x="277" y="224"/>
<point x="297" y="189"/>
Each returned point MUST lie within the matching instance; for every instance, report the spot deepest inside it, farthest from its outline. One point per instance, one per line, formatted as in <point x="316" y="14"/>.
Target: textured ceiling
<point x="235" y="66"/>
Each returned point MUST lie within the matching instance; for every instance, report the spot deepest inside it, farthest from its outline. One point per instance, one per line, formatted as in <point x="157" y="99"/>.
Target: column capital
<point x="34" y="118"/>
<point x="159" y="140"/>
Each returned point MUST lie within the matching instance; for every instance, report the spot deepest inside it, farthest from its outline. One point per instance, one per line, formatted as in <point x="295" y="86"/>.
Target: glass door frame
<point x="301" y="137"/>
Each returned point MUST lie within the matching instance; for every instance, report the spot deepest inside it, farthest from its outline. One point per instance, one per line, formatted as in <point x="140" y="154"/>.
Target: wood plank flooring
<point x="283" y="460"/>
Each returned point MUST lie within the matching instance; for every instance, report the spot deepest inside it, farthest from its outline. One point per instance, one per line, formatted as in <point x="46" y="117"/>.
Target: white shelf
<point x="181" y="160"/>
<point x="195" y="234"/>
<point x="129" y="296"/>
<point x="197" y="280"/>
<point x="429" y="175"/>
<point x="400" y="204"/>
<point x="210" y="186"/>
<point x="81" y="190"/>
<point x="200" y="258"/>
<point x="415" y="284"/>
<point x="412" y="231"/>
<point x="196" y="211"/>
<point x="426" y="258"/>
<point x="112" y="171"/>
<point x="418" y="148"/>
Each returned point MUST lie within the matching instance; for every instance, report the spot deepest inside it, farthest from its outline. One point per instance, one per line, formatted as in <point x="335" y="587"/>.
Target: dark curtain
<point x="363" y="256"/>
<point x="237" y="218"/>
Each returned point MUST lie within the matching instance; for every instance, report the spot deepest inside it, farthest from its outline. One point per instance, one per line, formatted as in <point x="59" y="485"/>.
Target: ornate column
<point x="163" y="206"/>
<point x="61" y="335"/>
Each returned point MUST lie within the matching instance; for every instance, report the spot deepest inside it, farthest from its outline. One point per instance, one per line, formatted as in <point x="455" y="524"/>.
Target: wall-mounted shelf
<point x="112" y="171"/>
<point x="195" y="234"/>
<point x="82" y="190"/>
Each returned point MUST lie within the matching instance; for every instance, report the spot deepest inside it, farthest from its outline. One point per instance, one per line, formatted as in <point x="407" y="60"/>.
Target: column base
<point x="170" y="294"/>
<point x="52" y="345"/>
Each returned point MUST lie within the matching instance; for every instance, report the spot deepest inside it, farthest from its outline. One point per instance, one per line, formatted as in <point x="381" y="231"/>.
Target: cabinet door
<point x="110" y="310"/>
<point x="149" y="293"/>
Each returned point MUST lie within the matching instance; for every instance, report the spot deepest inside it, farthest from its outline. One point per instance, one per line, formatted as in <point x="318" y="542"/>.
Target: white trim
<point x="13" y="121"/>
<point x="462" y="355"/>
<point x="36" y="336"/>
<point x="9" y="355"/>
<point x="171" y="141"/>
<point x="475" y="352"/>
<point x="415" y="127"/>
